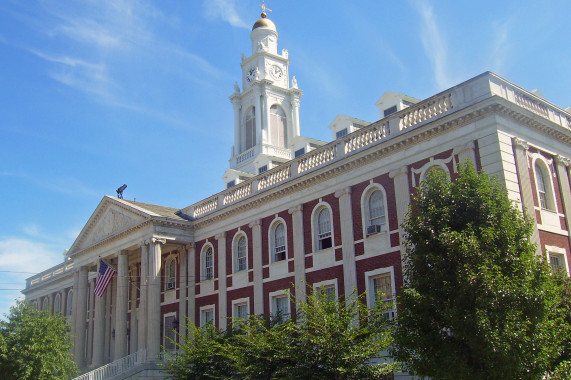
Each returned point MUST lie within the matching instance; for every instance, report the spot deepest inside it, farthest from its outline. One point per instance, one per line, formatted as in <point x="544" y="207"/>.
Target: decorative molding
<point x="158" y="240"/>
<point x="516" y="141"/>
<point x="295" y="209"/>
<point x="563" y="161"/>
<point x="402" y="171"/>
<point x="342" y="192"/>
<point x="255" y="223"/>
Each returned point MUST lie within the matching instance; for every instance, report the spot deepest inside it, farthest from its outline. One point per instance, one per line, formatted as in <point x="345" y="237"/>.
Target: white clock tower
<point x="266" y="111"/>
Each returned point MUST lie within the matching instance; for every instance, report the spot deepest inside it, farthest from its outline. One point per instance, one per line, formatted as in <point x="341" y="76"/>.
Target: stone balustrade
<point x="460" y="97"/>
<point x="51" y="273"/>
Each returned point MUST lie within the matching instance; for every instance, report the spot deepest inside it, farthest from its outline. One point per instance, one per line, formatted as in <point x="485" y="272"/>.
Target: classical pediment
<point x="111" y="217"/>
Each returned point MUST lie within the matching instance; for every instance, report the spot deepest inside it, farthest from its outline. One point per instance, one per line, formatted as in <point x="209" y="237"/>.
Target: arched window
<point x="208" y="263"/>
<point x="69" y="303"/>
<point x="45" y="304"/>
<point x="57" y="304"/>
<point x="250" y="129"/>
<point x="240" y="254"/>
<point x="323" y="226"/>
<point x="171" y="273"/>
<point x="374" y="211"/>
<point x="278" y="238"/>
<point x="543" y="183"/>
<point x="278" y="127"/>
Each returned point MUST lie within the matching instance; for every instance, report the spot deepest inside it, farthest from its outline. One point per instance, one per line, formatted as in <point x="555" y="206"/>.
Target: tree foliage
<point x="477" y="302"/>
<point x="327" y="339"/>
<point x="35" y="345"/>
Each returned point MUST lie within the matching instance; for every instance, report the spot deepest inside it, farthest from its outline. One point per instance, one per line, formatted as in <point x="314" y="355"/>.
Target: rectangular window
<point x="241" y="310"/>
<point x="329" y="290"/>
<point x="280" y="307"/>
<point x="207" y="316"/>
<point x="341" y="133"/>
<point x="299" y="152"/>
<point x="169" y="333"/>
<point x="556" y="261"/>
<point x="230" y="184"/>
<point x="262" y="169"/>
<point x="382" y="284"/>
<point x="389" y="111"/>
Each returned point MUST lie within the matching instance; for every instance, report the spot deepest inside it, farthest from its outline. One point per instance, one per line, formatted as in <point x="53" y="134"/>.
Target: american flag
<point x="104" y="277"/>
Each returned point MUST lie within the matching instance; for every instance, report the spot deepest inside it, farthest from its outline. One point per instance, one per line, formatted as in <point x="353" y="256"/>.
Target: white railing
<point x="463" y="96"/>
<point x="115" y="368"/>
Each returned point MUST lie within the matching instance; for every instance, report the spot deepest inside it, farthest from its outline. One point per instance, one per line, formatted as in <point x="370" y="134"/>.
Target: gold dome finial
<point x="264" y="21"/>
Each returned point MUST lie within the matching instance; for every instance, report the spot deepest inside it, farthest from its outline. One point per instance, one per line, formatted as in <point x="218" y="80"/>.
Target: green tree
<point x="477" y="302"/>
<point x="35" y="345"/>
<point x="325" y="339"/>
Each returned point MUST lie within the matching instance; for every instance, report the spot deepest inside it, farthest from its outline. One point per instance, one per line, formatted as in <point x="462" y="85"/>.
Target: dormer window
<point x="341" y="133"/>
<point x="389" y="111"/>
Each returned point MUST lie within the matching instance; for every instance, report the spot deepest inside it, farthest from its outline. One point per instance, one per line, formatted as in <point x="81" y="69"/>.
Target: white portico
<point x="136" y="239"/>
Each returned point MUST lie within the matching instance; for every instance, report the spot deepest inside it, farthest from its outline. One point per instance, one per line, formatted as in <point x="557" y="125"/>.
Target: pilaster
<point x="222" y="294"/>
<point x="191" y="270"/>
<point x="520" y="148"/>
<point x="258" y="300"/>
<point x="98" y="328"/>
<point x="298" y="252"/>
<point x="563" y="164"/>
<point x="183" y="286"/>
<point x="347" y="243"/>
<point x="402" y="194"/>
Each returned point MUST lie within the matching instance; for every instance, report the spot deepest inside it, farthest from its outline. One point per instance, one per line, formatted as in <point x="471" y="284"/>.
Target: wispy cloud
<point x="225" y="10"/>
<point x="67" y="186"/>
<point x="500" y="45"/>
<point x="434" y="45"/>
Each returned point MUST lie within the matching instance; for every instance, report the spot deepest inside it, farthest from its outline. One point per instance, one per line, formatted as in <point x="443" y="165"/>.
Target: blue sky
<point x="97" y="93"/>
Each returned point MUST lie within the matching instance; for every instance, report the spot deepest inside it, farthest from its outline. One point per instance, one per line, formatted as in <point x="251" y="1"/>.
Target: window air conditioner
<point x="374" y="229"/>
<point x="170" y="285"/>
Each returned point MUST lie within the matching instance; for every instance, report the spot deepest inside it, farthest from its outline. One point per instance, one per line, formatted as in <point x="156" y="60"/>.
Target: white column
<point x="154" y="301"/>
<point x="222" y="295"/>
<point x="348" y="243"/>
<point x="98" y="331"/>
<point x="91" y="318"/>
<point x="402" y="195"/>
<point x="133" y="301"/>
<point x="237" y="118"/>
<point x="298" y="252"/>
<point x="295" y="116"/>
<point x="522" y="163"/>
<point x="191" y="273"/>
<point x="256" y="227"/>
<point x="142" y="313"/>
<point x="80" y="315"/>
<point x="74" y="321"/>
<point x="121" y="306"/>
<point x="183" y="285"/>
<point x="258" y="113"/>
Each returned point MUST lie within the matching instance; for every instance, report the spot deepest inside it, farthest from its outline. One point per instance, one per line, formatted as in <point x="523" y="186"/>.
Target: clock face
<point x="276" y="72"/>
<point x="251" y="74"/>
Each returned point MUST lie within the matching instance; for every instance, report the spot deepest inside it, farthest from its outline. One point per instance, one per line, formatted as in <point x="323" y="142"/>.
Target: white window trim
<point x="559" y="251"/>
<point x="432" y="162"/>
<point x="235" y="241"/>
<point x="272" y="242"/>
<point x="276" y="294"/>
<point x="203" y="263"/>
<point x="327" y="283"/>
<point x="550" y="189"/>
<point x="165" y="316"/>
<point x="240" y="301"/>
<point x="205" y="308"/>
<point x="315" y="228"/>
<point x="365" y="207"/>
<point x="376" y="272"/>
<point x="171" y="257"/>
<point x="56" y="298"/>
<point x="69" y="301"/>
